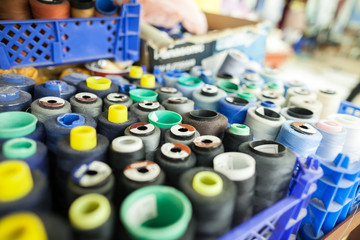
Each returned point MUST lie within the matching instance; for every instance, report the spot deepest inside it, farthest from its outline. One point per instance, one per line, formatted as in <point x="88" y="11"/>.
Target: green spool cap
<point x="190" y="81"/>
<point x="239" y="129"/>
<point x="156" y="213"/>
<point x="252" y="86"/>
<point x="228" y="86"/>
<point x="19" y="148"/>
<point x="164" y="118"/>
<point x="273" y="86"/>
<point x="246" y="95"/>
<point x="16" y="124"/>
<point x="143" y="95"/>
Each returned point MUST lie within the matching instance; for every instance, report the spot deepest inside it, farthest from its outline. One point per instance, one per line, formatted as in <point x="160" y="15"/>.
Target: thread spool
<point x="117" y="98"/>
<point x="171" y="77"/>
<point x="17" y="80"/>
<point x="179" y="104"/>
<point x="52" y="9"/>
<point x="126" y="88"/>
<point x="56" y="227"/>
<point x="271" y="75"/>
<point x="134" y="74"/>
<point x="227" y="77"/>
<point x="234" y="108"/>
<point x="206" y="75"/>
<point x="74" y="78"/>
<point x="46" y="107"/>
<point x="207" y="97"/>
<point x="187" y="85"/>
<point x="22" y="189"/>
<point x="269" y="104"/>
<point x="13" y="99"/>
<point x="239" y="168"/>
<point x="20" y="10"/>
<point x="313" y="105"/>
<point x="206" y="122"/>
<point x="247" y="96"/>
<point x="117" y="79"/>
<point x="299" y="91"/>
<point x="91" y="217"/>
<point x="86" y="103"/>
<point x="142" y="109"/>
<point x="139" y="95"/>
<point x="149" y="134"/>
<point x="213" y="198"/>
<point x="236" y="135"/>
<point x="181" y="133"/>
<point x="54" y="88"/>
<point x="264" y="122"/>
<point x="167" y="92"/>
<point x="330" y="100"/>
<point x="252" y="78"/>
<point x="82" y="9"/>
<point x="252" y="88"/>
<point x="333" y="139"/>
<point x="234" y="63"/>
<point x="59" y="126"/>
<point x="274" y="86"/>
<point x="294" y="83"/>
<point x="148" y="81"/>
<point x="228" y="87"/>
<point x="205" y="148"/>
<point x="99" y="86"/>
<point x="174" y="159"/>
<point x="164" y="119"/>
<point x="270" y="95"/>
<point x="300" y="137"/>
<point x="299" y="114"/>
<point x="274" y="168"/>
<point x="105" y="8"/>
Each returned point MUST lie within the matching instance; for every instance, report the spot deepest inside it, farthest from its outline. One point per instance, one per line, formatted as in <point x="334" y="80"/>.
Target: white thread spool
<point x="271" y="95"/>
<point x="312" y="104"/>
<point x="331" y="101"/>
<point x="299" y="91"/>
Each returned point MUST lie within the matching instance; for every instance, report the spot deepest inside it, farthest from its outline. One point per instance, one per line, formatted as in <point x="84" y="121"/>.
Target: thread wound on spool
<point x="50" y="9"/>
<point x="83" y="138"/>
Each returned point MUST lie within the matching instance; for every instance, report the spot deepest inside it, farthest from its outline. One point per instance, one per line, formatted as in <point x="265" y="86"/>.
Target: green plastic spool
<point x="246" y="95"/>
<point x="16" y="124"/>
<point x="228" y="86"/>
<point x="143" y="95"/>
<point x="274" y="86"/>
<point x="164" y="118"/>
<point x="156" y="213"/>
<point x="19" y="148"/>
<point x="252" y="86"/>
<point x="189" y="81"/>
<point x="239" y="129"/>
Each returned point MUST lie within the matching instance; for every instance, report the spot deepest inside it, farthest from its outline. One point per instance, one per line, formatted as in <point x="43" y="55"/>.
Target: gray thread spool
<point x="205" y="148"/>
<point x="142" y="109"/>
<point x="207" y="98"/>
<point x="299" y="114"/>
<point x="167" y="92"/>
<point x="271" y="95"/>
<point x="46" y="107"/>
<point x="299" y="91"/>
<point x="117" y="98"/>
<point x="86" y="103"/>
<point x="179" y="104"/>
<point x="234" y="63"/>
<point x="181" y="133"/>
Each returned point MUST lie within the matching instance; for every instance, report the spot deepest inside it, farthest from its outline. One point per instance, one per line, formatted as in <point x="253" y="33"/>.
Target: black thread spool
<point x="99" y="86"/>
<point x="239" y="168"/>
<point x="18" y="81"/>
<point x="236" y="135"/>
<point x="55" y="88"/>
<point x="13" y="99"/>
<point x="92" y="177"/>
<point x="206" y="148"/>
<point x="56" y="227"/>
<point x="167" y="92"/>
<point x="181" y="133"/>
<point x="46" y="107"/>
<point x="178" y="104"/>
<point x="274" y="168"/>
<point x="174" y="159"/>
<point x="213" y="199"/>
<point x="86" y="103"/>
<point x="206" y="122"/>
<point x="142" y="109"/>
<point x="117" y="98"/>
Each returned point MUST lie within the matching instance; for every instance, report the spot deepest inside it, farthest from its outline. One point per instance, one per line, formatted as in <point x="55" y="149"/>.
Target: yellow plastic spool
<point x="147" y="81"/>
<point x="15" y="180"/>
<point x="207" y="183"/>
<point x="22" y="226"/>
<point x="118" y="113"/>
<point x="98" y="83"/>
<point x="83" y="138"/>
<point x="136" y="72"/>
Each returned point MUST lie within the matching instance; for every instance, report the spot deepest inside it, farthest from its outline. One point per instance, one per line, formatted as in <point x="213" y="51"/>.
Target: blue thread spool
<point x="208" y="97"/>
<point x="54" y="88"/>
<point x="106" y="7"/>
<point x="13" y="99"/>
<point x="204" y="74"/>
<point x="234" y="108"/>
<point x="75" y="78"/>
<point x="126" y="88"/>
<point x="271" y="75"/>
<point x="117" y="79"/>
<point x="158" y="75"/>
<point x="17" y="80"/>
<point x="187" y="85"/>
<point x="171" y="77"/>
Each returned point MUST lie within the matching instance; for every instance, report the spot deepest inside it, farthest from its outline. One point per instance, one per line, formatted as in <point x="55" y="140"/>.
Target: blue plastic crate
<point x="349" y="108"/>
<point x="57" y="41"/>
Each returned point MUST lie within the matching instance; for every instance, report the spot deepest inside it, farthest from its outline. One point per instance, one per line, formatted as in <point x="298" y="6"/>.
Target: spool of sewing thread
<point x="274" y="169"/>
<point x="234" y="63"/>
<point x="167" y="92"/>
<point x="46" y="107"/>
<point x="75" y="78"/>
<point x="206" y="122"/>
<point x="59" y="126"/>
<point x="113" y="123"/>
<point x="181" y="133"/>
<point x="204" y="74"/>
<point x="234" y="108"/>
<point x="311" y="104"/>
<point x="330" y="100"/>
<point x="117" y="98"/>
<point x="333" y="139"/>
<point x="148" y="81"/>
<point x="228" y="87"/>
<point x="187" y="85"/>
<point x="299" y="114"/>
<point x="99" y="86"/>
<point x="20" y="10"/>
<point x="236" y="135"/>
<point x="171" y="77"/>
<point x="126" y="88"/>
<point x="294" y="83"/>
<point x="174" y="159"/>
<point x="91" y="177"/>
<point x="269" y="104"/>
<point x="300" y="137"/>
<point x="252" y="78"/>
<point x="149" y="134"/>
<point x="13" y="99"/>
<point x="271" y="75"/>
<point x="240" y="169"/>
<point x="22" y="189"/>
<point x="17" y="80"/>
<point x="157" y="208"/>
<point x="213" y="199"/>
<point x="86" y="103"/>
<point x="82" y="9"/>
<point x="179" y="104"/>
<point x="91" y="217"/>
<point x="117" y="79"/>
<point x="226" y="77"/>
<point x="274" y="86"/>
<point x="54" y="88"/>
<point x="139" y="95"/>
<point x="142" y="109"/>
<point x="252" y="88"/>
<point x="50" y="9"/>
<point x="164" y="120"/>
<point x="32" y="152"/>
<point x="270" y="95"/>
<point x="247" y="96"/>
<point x="299" y="91"/>
<point x="105" y="8"/>
<point x="264" y="122"/>
<point x="134" y="74"/>
<point x="205" y="148"/>
<point x="207" y="97"/>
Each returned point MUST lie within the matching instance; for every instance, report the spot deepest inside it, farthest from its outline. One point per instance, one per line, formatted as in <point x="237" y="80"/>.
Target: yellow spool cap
<point x="22" y="226"/>
<point x="136" y="72"/>
<point x="16" y="180"/>
<point x="207" y="183"/>
<point x="83" y="138"/>
<point x="147" y="81"/>
<point x="118" y="113"/>
<point x="98" y="83"/>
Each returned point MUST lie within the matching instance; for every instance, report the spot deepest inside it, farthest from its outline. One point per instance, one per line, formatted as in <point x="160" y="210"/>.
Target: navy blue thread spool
<point x="174" y="159"/>
<point x="171" y="77"/>
<point x="234" y="108"/>
<point x="236" y="135"/>
<point x="56" y="227"/>
<point x="208" y="97"/>
<point x="117" y="98"/>
<point x="234" y="63"/>
<point x="205" y="148"/>
<point x="99" y="86"/>
<point x="178" y="104"/>
<point x="46" y="107"/>
<point x="142" y="109"/>
<point x="17" y="80"/>
<point x="87" y="104"/>
<point x="13" y="99"/>
<point x="299" y="114"/>
<point x="126" y="88"/>
<point x="181" y="133"/>
<point x="167" y="92"/>
<point x="55" y="88"/>
<point x="74" y="78"/>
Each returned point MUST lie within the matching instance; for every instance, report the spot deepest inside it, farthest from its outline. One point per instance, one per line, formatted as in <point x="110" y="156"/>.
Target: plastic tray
<point x="50" y="42"/>
<point x="349" y="108"/>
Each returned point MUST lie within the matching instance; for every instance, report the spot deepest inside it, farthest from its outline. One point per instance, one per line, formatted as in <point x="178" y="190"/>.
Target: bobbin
<point x="86" y="103"/>
<point x="234" y="108"/>
<point x="99" y="86"/>
<point x="273" y="96"/>
<point x="270" y="74"/>
<point x="18" y="81"/>
<point x="299" y="91"/>
<point x="172" y="76"/>
<point x="206" y="147"/>
<point x="304" y="102"/>
<point x="55" y="88"/>
<point x="236" y="135"/>
<point x="205" y="74"/>
<point x="148" y="81"/>
<point x="234" y="63"/>
<point x="181" y="133"/>
<point x="330" y="100"/>
<point x="252" y="78"/>
<point x="13" y="99"/>
<point x="117" y="98"/>
<point x="299" y="114"/>
<point x="187" y="85"/>
<point x="252" y="88"/>
<point x="178" y="104"/>
<point x="46" y="107"/>
<point x="228" y="87"/>
<point x="274" y="86"/>
<point x="134" y="74"/>
<point x="227" y="77"/>
<point x="142" y="109"/>
<point x="167" y="92"/>
<point x="75" y="77"/>
<point x="207" y="97"/>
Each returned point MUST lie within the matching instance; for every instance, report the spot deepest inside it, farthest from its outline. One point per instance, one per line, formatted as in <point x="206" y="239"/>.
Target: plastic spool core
<point x="98" y="83"/>
<point x="9" y="93"/>
<point x="302" y="91"/>
<point x="13" y="77"/>
<point x="85" y="97"/>
<point x="83" y="138"/>
<point x="204" y="114"/>
<point x="224" y="76"/>
<point x="91" y="174"/>
<point x="239" y="129"/>
<point x="330" y="126"/>
<point x="136" y="72"/>
<point x="55" y="85"/>
<point x="183" y="130"/>
<point x="209" y="90"/>
<point x="296" y="83"/>
<point x="168" y="90"/>
<point x="142" y="95"/>
<point x="246" y="95"/>
<point x="127" y="144"/>
<point x="267" y="114"/>
<point x="268" y="104"/>
<point x="252" y="77"/>
<point x="70" y="120"/>
<point x="142" y="129"/>
<point x="228" y="86"/>
<point x="175" y="151"/>
<point x="142" y="171"/>
<point x="178" y="100"/>
<point x="189" y="81"/>
<point x="304" y="128"/>
<point x="117" y="97"/>
<point x="300" y="112"/>
<point x="149" y="105"/>
<point x="118" y="113"/>
<point x="270" y="94"/>
<point x="148" y="81"/>
<point x="19" y="148"/>
<point x="16" y="124"/>
<point x="251" y="86"/>
<point x="164" y="118"/>
<point x="207" y="183"/>
<point x="237" y="101"/>
<point x="267" y="148"/>
<point x="51" y="102"/>
<point x="207" y="142"/>
<point x="328" y="91"/>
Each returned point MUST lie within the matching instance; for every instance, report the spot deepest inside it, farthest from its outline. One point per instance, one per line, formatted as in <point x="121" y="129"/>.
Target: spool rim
<point x="228" y="86"/>
<point x="143" y="94"/>
<point x="19" y="148"/>
<point x="164" y="118"/>
<point x="17" y="124"/>
<point x="207" y="183"/>
<point x="70" y="120"/>
<point x="239" y="129"/>
<point x="98" y="83"/>
<point x="190" y="81"/>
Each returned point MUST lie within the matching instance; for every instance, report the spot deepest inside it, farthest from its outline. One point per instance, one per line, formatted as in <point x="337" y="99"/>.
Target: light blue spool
<point x="208" y="97"/>
<point x="54" y="88"/>
<point x="187" y="85"/>
<point x="204" y="74"/>
<point x="252" y="78"/>
<point x="234" y="108"/>
<point x="171" y="77"/>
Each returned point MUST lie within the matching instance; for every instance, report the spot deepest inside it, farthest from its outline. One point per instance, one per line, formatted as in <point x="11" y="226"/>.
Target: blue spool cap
<point x="8" y="93"/>
<point x="55" y="85"/>
<point x="268" y="104"/>
<point x="126" y="88"/>
<point x="106" y="7"/>
<point x="175" y="73"/>
<point x="70" y="120"/>
<point x="13" y="77"/>
<point x="249" y="70"/>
